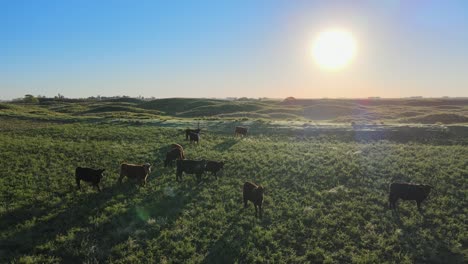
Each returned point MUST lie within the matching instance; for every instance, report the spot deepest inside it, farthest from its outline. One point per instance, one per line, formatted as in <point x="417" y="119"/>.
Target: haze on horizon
<point x="230" y="49"/>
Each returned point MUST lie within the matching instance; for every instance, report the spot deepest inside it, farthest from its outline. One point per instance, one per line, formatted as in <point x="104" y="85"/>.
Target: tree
<point x="289" y="100"/>
<point x="30" y="99"/>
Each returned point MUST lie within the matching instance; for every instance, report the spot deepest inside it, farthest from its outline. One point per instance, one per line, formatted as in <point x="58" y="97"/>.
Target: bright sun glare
<point x="334" y="49"/>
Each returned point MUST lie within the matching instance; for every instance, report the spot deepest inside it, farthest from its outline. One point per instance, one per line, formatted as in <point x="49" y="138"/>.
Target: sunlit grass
<point x="325" y="200"/>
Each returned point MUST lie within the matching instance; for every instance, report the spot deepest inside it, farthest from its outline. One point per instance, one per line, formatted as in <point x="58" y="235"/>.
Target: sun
<point x="334" y="49"/>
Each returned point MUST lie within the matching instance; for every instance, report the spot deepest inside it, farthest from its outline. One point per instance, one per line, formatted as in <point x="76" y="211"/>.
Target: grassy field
<point x="325" y="200"/>
<point x="366" y="111"/>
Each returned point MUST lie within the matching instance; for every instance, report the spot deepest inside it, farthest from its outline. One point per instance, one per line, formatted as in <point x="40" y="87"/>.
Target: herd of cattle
<point x="251" y="191"/>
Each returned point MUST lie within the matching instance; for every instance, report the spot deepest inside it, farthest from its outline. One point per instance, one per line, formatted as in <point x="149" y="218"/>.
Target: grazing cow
<point x="408" y="191"/>
<point x="188" y="131"/>
<point x="253" y="193"/>
<point x="196" y="167"/>
<point x="133" y="171"/>
<point x="194" y="137"/>
<point x="88" y="175"/>
<point x="240" y="131"/>
<point x="214" y="167"/>
<point x="176" y="152"/>
<point x="177" y="146"/>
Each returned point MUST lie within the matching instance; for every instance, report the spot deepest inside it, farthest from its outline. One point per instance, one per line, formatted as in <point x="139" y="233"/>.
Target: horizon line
<point x="232" y="98"/>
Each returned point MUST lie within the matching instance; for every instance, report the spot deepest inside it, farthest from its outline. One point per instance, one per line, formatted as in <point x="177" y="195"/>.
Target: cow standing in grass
<point x="214" y="167"/>
<point x="134" y="171"/>
<point x="88" y="175"/>
<point x="188" y="131"/>
<point x="254" y="193"/>
<point x="196" y="167"/>
<point x="176" y="152"/>
<point x="408" y="191"/>
<point x="194" y="137"/>
<point x="242" y="131"/>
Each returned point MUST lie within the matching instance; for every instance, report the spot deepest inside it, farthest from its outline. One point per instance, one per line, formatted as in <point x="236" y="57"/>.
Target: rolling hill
<point x="399" y="111"/>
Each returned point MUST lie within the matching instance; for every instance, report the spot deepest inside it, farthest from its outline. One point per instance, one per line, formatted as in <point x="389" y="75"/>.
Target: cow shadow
<point x="413" y="237"/>
<point x="39" y="207"/>
<point x="170" y="202"/>
<point x="142" y="218"/>
<point x="406" y="212"/>
<point x="36" y="209"/>
<point x="226" y="144"/>
<point x="228" y="247"/>
<point x="160" y="153"/>
<point x="52" y="221"/>
<point x="412" y="225"/>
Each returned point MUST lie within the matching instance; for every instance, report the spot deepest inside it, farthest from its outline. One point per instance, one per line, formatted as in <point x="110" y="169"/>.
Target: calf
<point x="88" y="175"/>
<point x="253" y="193"/>
<point x="408" y="191"/>
<point x="214" y="167"/>
<point x="177" y="152"/>
<point x="240" y="131"/>
<point x="196" y="167"/>
<point x="133" y="171"/>
<point x="194" y="137"/>
<point x="188" y="131"/>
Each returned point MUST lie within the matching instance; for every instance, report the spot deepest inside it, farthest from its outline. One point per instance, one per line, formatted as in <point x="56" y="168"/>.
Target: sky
<point x="251" y="48"/>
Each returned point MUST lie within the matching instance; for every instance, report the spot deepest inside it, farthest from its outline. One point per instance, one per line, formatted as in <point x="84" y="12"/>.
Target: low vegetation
<point x="394" y="111"/>
<point x="325" y="195"/>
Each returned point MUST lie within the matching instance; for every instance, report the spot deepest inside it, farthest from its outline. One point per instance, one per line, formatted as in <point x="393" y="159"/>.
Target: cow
<point x="134" y="171"/>
<point x="408" y="191"/>
<point x="240" y="131"/>
<point x="194" y="137"/>
<point x="214" y="167"/>
<point x="253" y="193"/>
<point x="196" y="167"/>
<point x="88" y="175"/>
<point x="176" y="146"/>
<point x="176" y="152"/>
<point x="188" y="131"/>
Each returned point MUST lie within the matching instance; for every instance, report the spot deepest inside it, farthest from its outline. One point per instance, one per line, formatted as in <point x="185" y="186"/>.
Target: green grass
<point x="388" y="111"/>
<point x="325" y="200"/>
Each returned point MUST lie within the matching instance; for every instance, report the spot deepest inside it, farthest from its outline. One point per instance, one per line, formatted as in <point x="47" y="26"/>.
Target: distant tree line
<point x="31" y="99"/>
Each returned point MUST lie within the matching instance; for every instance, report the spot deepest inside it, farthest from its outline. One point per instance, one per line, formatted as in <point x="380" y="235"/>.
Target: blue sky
<point x="250" y="48"/>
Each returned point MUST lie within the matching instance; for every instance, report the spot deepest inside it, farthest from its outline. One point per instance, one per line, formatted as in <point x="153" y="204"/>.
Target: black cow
<point x="177" y="152"/>
<point x="188" y="131"/>
<point x="194" y="137"/>
<point x="214" y="167"/>
<point x="253" y="193"/>
<point x="196" y="167"/>
<point x="408" y="191"/>
<point x="240" y="131"/>
<point x="88" y="175"/>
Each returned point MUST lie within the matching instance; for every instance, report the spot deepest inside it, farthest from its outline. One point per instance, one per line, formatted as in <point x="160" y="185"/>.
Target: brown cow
<point x="253" y="193"/>
<point x="408" y="191"/>
<point x="176" y="152"/>
<point x="177" y="146"/>
<point x="134" y="171"/>
<point x="240" y="131"/>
